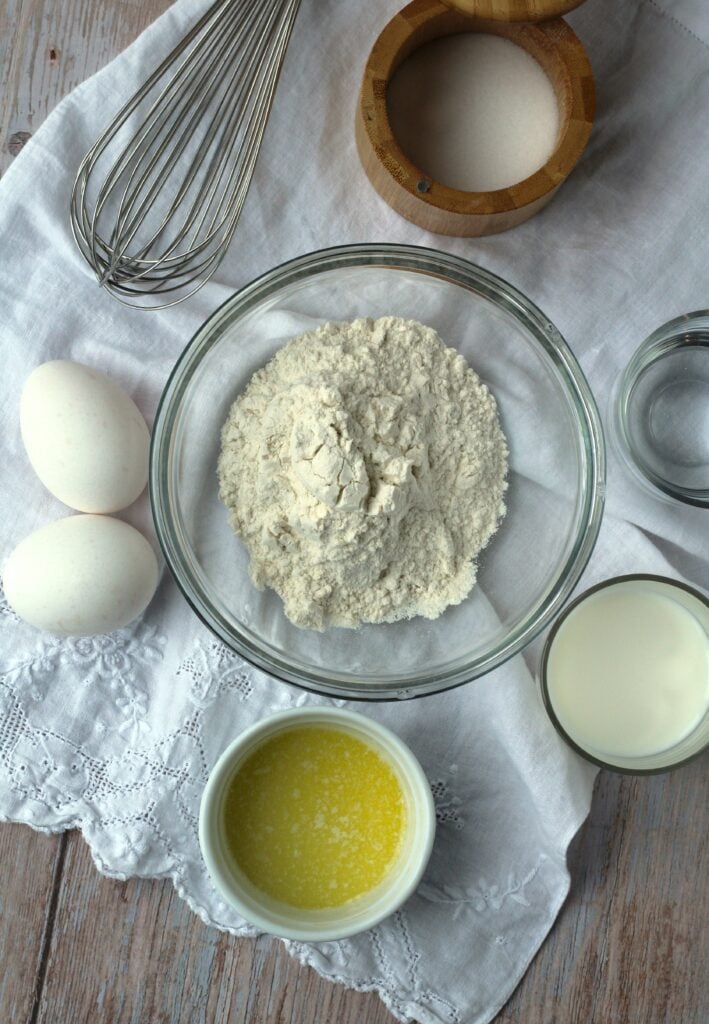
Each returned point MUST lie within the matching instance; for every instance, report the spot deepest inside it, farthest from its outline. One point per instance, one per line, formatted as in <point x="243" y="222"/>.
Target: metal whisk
<point x="154" y="208"/>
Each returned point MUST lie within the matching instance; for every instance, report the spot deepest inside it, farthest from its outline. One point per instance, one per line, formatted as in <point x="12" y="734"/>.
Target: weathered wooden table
<point x="629" y="947"/>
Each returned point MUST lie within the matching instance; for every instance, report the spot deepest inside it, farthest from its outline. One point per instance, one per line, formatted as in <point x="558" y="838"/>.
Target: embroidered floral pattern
<point x="49" y="768"/>
<point x="114" y="659"/>
<point x="133" y="703"/>
<point x="212" y="668"/>
<point x="5" y="609"/>
<point x="39" y="663"/>
<point x="485" y="895"/>
<point x="447" y="804"/>
<point x="111" y="663"/>
<point x="112" y="656"/>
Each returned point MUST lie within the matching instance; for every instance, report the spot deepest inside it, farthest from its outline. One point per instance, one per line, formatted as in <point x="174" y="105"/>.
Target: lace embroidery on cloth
<point x="85" y="742"/>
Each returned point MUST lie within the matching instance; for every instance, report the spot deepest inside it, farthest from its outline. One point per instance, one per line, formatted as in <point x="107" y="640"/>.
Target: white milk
<point x="474" y="111"/>
<point x="628" y="671"/>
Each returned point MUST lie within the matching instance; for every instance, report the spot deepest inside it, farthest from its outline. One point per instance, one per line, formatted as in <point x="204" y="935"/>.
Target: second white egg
<point x="85" y="437"/>
<point x="81" y="575"/>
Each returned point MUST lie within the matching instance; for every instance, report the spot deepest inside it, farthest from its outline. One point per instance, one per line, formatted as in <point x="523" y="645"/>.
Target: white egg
<point x="85" y="437"/>
<point x="81" y="575"/>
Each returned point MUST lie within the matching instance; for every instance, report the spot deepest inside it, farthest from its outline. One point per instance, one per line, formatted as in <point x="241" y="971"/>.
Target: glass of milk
<point x="624" y="674"/>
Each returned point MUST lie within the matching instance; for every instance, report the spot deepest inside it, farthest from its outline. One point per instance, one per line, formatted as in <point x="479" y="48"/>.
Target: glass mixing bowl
<point x="556" y="475"/>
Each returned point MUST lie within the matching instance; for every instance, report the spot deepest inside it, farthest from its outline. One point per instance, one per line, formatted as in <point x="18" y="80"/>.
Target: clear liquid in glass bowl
<point x="661" y="410"/>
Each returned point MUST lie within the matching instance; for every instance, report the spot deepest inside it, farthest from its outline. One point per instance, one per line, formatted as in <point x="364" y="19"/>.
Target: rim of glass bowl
<point x="673" y="335"/>
<point x="544" y="687"/>
<point x="458" y="271"/>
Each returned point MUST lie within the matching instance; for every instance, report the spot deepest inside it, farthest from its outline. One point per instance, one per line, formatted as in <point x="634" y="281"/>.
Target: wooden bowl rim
<point x="434" y="193"/>
<point x="522" y="10"/>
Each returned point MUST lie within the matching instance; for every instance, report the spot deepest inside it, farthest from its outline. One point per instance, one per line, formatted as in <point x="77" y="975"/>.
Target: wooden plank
<point x="629" y="946"/>
<point x="48" y="48"/>
<point x="30" y="866"/>
<point x="9" y="22"/>
<point x="133" y="952"/>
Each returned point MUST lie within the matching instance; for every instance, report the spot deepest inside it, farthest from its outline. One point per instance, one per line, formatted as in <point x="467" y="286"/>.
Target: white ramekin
<point x="359" y="914"/>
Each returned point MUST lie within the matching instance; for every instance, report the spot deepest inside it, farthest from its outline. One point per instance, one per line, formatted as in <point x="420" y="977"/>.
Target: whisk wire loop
<point x="155" y="204"/>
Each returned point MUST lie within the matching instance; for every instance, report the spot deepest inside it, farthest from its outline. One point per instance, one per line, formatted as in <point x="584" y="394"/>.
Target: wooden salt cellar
<point x="534" y="25"/>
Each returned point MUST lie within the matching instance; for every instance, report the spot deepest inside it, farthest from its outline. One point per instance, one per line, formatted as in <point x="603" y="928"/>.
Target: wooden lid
<point x="514" y="10"/>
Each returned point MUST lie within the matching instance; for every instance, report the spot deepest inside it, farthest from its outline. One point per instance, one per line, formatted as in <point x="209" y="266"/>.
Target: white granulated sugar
<point x="474" y="111"/>
<point x="364" y="468"/>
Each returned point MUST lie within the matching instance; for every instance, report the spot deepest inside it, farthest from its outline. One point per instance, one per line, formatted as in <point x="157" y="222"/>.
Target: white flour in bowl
<point x="364" y="468"/>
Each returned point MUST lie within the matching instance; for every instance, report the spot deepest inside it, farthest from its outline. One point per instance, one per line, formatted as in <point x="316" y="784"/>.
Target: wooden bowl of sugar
<point x="472" y="113"/>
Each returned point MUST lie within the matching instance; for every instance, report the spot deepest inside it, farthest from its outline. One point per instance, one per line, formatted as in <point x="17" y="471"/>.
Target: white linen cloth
<point x="116" y="734"/>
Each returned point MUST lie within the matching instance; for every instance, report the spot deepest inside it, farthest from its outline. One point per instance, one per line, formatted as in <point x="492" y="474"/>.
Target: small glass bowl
<point x="556" y="480"/>
<point x="662" y="410"/>
<point x="367" y="910"/>
<point x="688" y="748"/>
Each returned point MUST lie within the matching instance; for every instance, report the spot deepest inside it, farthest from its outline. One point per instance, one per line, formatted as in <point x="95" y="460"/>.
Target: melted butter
<point x="315" y="817"/>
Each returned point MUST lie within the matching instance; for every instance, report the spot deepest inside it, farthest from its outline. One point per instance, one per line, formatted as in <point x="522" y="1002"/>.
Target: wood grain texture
<point x="630" y="944"/>
<point x="30" y="869"/>
<point x="48" y="46"/>
<point x="413" y="193"/>
<point x="629" y="947"/>
<point x="514" y="10"/>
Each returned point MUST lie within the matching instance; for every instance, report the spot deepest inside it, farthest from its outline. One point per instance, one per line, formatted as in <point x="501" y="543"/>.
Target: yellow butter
<point x="315" y="817"/>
